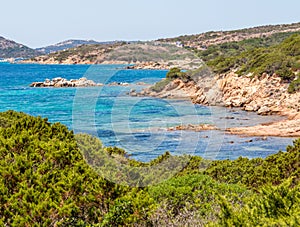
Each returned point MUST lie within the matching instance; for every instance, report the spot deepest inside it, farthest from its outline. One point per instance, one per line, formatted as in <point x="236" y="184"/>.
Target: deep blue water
<point x="135" y="124"/>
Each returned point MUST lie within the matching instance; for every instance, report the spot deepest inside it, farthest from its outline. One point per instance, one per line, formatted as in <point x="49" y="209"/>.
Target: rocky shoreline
<point x="149" y="65"/>
<point x="266" y="95"/>
<point x="289" y="127"/>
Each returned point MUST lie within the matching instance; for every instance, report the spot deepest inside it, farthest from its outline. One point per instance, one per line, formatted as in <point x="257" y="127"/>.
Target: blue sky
<point x="38" y="23"/>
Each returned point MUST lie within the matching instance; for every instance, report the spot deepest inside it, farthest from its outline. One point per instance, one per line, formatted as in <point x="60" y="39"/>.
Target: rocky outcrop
<point x="149" y="65"/>
<point x="265" y="95"/>
<point x="62" y="82"/>
<point x="122" y="84"/>
<point x="191" y="127"/>
<point x="200" y="90"/>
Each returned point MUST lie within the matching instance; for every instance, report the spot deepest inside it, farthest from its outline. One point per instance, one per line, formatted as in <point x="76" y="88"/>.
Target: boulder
<point x="264" y="110"/>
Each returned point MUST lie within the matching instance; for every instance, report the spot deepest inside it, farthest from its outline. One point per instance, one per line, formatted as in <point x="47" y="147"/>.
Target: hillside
<point x="51" y="177"/>
<point x="11" y="49"/>
<point x="84" y="54"/>
<point x="204" y="40"/>
<point x="282" y="59"/>
<point x="183" y="52"/>
<point x="165" y="54"/>
<point x="261" y="79"/>
<point x="235" y="48"/>
<point x="124" y="53"/>
<point x="72" y="43"/>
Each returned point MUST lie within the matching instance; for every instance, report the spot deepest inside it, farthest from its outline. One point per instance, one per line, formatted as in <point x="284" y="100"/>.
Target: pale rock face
<point x="264" y="110"/>
<point x="265" y="95"/>
<point x="62" y="82"/>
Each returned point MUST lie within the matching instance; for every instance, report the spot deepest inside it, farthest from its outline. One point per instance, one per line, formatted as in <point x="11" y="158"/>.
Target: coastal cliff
<point x="265" y="80"/>
<point x="265" y="95"/>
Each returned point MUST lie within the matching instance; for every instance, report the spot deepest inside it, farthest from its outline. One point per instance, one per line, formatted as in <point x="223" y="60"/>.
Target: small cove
<point x="136" y="124"/>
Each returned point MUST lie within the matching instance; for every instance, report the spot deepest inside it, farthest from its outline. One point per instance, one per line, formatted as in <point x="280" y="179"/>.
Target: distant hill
<point x="172" y="51"/>
<point x="71" y="43"/>
<point x="207" y="39"/>
<point x="11" y="49"/>
<point x="83" y="54"/>
<point x="122" y="53"/>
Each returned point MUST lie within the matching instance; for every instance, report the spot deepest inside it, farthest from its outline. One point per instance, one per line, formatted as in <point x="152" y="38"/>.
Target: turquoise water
<point x="135" y="124"/>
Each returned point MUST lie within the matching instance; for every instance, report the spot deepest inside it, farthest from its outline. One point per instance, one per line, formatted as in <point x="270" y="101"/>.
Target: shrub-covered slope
<point x="282" y="59"/>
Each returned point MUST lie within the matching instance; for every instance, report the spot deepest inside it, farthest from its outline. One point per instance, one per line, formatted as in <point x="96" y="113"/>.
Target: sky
<point x="37" y="23"/>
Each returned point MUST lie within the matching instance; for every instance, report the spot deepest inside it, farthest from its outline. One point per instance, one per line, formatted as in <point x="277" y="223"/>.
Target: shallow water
<point x="133" y="123"/>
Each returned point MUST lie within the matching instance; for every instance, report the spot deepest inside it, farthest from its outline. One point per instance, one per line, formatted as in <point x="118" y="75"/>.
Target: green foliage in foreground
<point x="45" y="181"/>
<point x="258" y="172"/>
<point x="273" y="206"/>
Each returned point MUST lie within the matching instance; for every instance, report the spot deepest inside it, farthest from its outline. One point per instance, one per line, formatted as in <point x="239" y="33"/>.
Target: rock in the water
<point x="62" y="82"/>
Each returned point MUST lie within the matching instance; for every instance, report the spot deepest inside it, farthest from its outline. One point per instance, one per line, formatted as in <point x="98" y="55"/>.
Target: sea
<point x="140" y="125"/>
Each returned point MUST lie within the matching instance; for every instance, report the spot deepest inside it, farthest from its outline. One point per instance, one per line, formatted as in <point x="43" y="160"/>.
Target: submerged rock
<point x="196" y="128"/>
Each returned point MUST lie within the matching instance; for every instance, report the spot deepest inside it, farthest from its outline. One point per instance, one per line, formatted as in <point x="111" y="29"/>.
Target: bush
<point x="273" y="206"/>
<point x="175" y="73"/>
<point x="44" y="179"/>
<point x="159" y="86"/>
<point x="294" y="86"/>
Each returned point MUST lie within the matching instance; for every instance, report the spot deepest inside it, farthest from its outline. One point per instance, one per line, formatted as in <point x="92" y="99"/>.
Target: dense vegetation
<point x="45" y="181"/>
<point x="282" y="59"/>
<point x="226" y="36"/>
<point x="235" y="48"/>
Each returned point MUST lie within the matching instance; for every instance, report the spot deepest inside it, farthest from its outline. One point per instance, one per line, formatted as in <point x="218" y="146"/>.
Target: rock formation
<point x="149" y="65"/>
<point x="265" y="95"/>
<point x="62" y="82"/>
<point x="196" y="128"/>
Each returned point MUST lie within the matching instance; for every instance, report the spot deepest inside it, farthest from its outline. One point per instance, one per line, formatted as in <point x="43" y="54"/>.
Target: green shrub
<point x="273" y="206"/>
<point x="44" y="179"/>
<point x="159" y="86"/>
<point x="175" y="73"/>
<point x="294" y="86"/>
